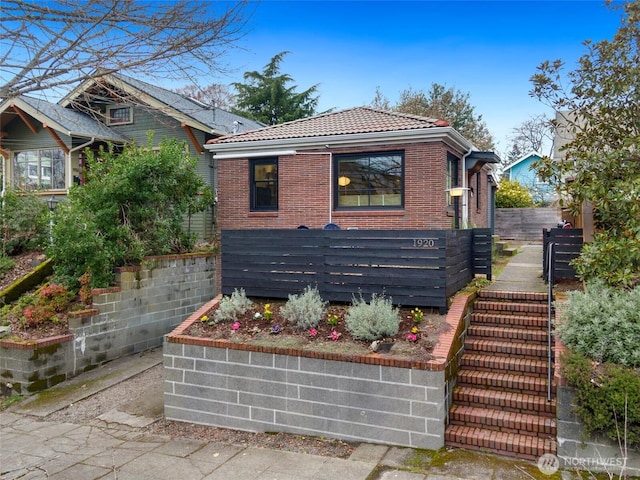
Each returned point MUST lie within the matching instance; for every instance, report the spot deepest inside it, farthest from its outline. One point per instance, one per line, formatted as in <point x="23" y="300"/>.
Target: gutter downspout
<point x="75" y="149"/>
<point x="465" y="194"/>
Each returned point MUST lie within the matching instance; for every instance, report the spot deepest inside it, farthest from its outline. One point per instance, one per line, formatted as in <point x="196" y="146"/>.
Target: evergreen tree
<point x="265" y="96"/>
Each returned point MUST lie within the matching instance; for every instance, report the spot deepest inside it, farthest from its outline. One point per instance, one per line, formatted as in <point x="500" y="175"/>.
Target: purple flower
<point x="276" y="329"/>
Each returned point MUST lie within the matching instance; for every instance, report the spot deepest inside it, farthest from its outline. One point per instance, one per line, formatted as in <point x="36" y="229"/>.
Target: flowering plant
<point x="204" y="318"/>
<point x="276" y="329"/>
<point x="235" y="326"/>
<point x="267" y="311"/>
<point x="335" y="336"/>
<point x="255" y="330"/>
<point x="257" y="315"/>
<point x="313" y="332"/>
<point x="412" y="337"/>
<point x="332" y="319"/>
<point x="415" y="330"/>
<point x="417" y="315"/>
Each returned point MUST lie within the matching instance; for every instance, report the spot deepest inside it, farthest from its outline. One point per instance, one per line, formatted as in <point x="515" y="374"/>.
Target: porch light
<point x="456" y="191"/>
<point x="52" y="202"/>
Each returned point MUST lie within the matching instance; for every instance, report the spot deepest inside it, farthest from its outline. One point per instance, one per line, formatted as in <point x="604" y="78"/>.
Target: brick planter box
<point x="368" y="398"/>
<point x="134" y="316"/>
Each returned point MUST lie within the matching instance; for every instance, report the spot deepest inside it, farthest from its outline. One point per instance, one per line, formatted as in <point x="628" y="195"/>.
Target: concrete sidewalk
<point x="523" y="273"/>
<point x="31" y="447"/>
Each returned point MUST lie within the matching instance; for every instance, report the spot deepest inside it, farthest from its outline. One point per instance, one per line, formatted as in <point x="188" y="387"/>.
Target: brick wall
<point x="147" y="303"/>
<point x="368" y="398"/>
<point x="304" y="193"/>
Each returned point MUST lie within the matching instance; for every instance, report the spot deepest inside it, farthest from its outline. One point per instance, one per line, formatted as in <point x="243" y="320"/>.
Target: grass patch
<point x="7" y="401"/>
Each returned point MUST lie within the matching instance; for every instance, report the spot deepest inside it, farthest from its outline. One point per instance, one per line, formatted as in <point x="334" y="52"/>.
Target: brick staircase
<point x="500" y="401"/>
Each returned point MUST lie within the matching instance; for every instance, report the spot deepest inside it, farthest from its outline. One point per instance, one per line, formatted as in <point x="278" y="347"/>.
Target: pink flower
<point x="412" y="337"/>
<point x="313" y="332"/>
<point x="235" y="326"/>
<point x="335" y="335"/>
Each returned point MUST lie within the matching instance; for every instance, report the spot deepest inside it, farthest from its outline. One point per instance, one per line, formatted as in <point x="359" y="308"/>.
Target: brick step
<point x="507" y="382"/>
<point x="496" y="419"/>
<point x="505" y="320"/>
<point x="507" y="401"/>
<point x="502" y="443"/>
<point x="511" y="333"/>
<point x="511" y="308"/>
<point x="522" y="350"/>
<point x="527" y="297"/>
<point x="504" y="364"/>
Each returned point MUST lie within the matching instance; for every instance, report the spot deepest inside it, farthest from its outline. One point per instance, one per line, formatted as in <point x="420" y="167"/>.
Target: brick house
<point x="355" y="168"/>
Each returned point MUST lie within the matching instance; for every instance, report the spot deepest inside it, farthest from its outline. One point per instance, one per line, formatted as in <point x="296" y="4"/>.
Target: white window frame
<point x="119" y="107"/>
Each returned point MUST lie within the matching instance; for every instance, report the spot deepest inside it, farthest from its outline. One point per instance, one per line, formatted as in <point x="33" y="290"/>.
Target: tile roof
<point x="73" y="122"/>
<point x="350" y="121"/>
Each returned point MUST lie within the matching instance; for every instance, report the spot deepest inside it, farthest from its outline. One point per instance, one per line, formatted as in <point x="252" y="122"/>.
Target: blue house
<point x="522" y="171"/>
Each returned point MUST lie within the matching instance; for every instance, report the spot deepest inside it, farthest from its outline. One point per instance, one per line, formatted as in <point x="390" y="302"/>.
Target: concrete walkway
<point x="523" y="273"/>
<point x="31" y="447"/>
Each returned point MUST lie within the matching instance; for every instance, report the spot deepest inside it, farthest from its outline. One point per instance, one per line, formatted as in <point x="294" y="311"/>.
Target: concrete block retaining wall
<point x="578" y="451"/>
<point x="147" y="303"/>
<point x="369" y="398"/>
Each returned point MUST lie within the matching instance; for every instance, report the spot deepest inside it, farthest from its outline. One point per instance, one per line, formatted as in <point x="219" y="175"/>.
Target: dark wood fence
<point x="567" y="244"/>
<point x="413" y="267"/>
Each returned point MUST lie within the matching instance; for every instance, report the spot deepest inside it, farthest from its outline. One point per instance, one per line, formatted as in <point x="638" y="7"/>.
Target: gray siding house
<point x="42" y="144"/>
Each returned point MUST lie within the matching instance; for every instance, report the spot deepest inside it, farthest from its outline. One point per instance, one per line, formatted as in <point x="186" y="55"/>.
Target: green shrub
<point x="512" y="194"/>
<point x="230" y="307"/>
<point x="6" y="264"/>
<point x="607" y="397"/>
<point x="372" y="321"/>
<point x="24" y="222"/>
<point x="612" y="258"/>
<point x="305" y="310"/>
<point x="602" y="323"/>
<point x="133" y="205"/>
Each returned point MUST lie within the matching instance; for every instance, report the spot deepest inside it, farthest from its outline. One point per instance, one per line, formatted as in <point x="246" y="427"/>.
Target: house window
<point x="452" y="176"/>
<point x="39" y="169"/>
<point x="369" y="180"/>
<point x="119" y="115"/>
<point x="264" y="184"/>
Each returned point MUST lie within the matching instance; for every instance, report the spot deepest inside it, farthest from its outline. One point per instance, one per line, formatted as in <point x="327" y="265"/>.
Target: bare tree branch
<point x="47" y="45"/>
<point x="533" y="134"/>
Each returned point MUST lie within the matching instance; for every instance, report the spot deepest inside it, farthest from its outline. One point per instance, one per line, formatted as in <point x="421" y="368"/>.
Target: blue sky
<point x="489" y="49"/>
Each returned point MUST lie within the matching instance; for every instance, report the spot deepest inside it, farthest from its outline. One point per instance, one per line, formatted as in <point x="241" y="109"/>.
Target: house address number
<point x="424" y="242"/>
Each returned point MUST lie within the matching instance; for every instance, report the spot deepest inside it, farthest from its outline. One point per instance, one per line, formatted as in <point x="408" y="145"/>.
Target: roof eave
<point x="433" y="134"/>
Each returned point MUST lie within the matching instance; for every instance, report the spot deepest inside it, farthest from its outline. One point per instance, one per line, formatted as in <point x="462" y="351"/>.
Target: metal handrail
<point x="550" y="281"/>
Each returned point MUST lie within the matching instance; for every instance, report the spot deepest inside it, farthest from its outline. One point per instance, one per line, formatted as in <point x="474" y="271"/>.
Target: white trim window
<point x="119" y="115"/>
<point x="39" y="169"/>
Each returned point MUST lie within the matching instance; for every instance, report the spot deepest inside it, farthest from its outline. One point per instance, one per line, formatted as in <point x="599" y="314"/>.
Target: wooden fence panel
<point x="567" y="244"/>
<point x="413" y="267"/>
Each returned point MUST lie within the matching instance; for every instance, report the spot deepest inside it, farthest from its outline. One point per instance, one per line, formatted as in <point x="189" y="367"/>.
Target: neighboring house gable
<point x="40" y="142"/>
<point x="522" y="171"/>
<point x="357" y="168"/>
<point x="43" y="143"/>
